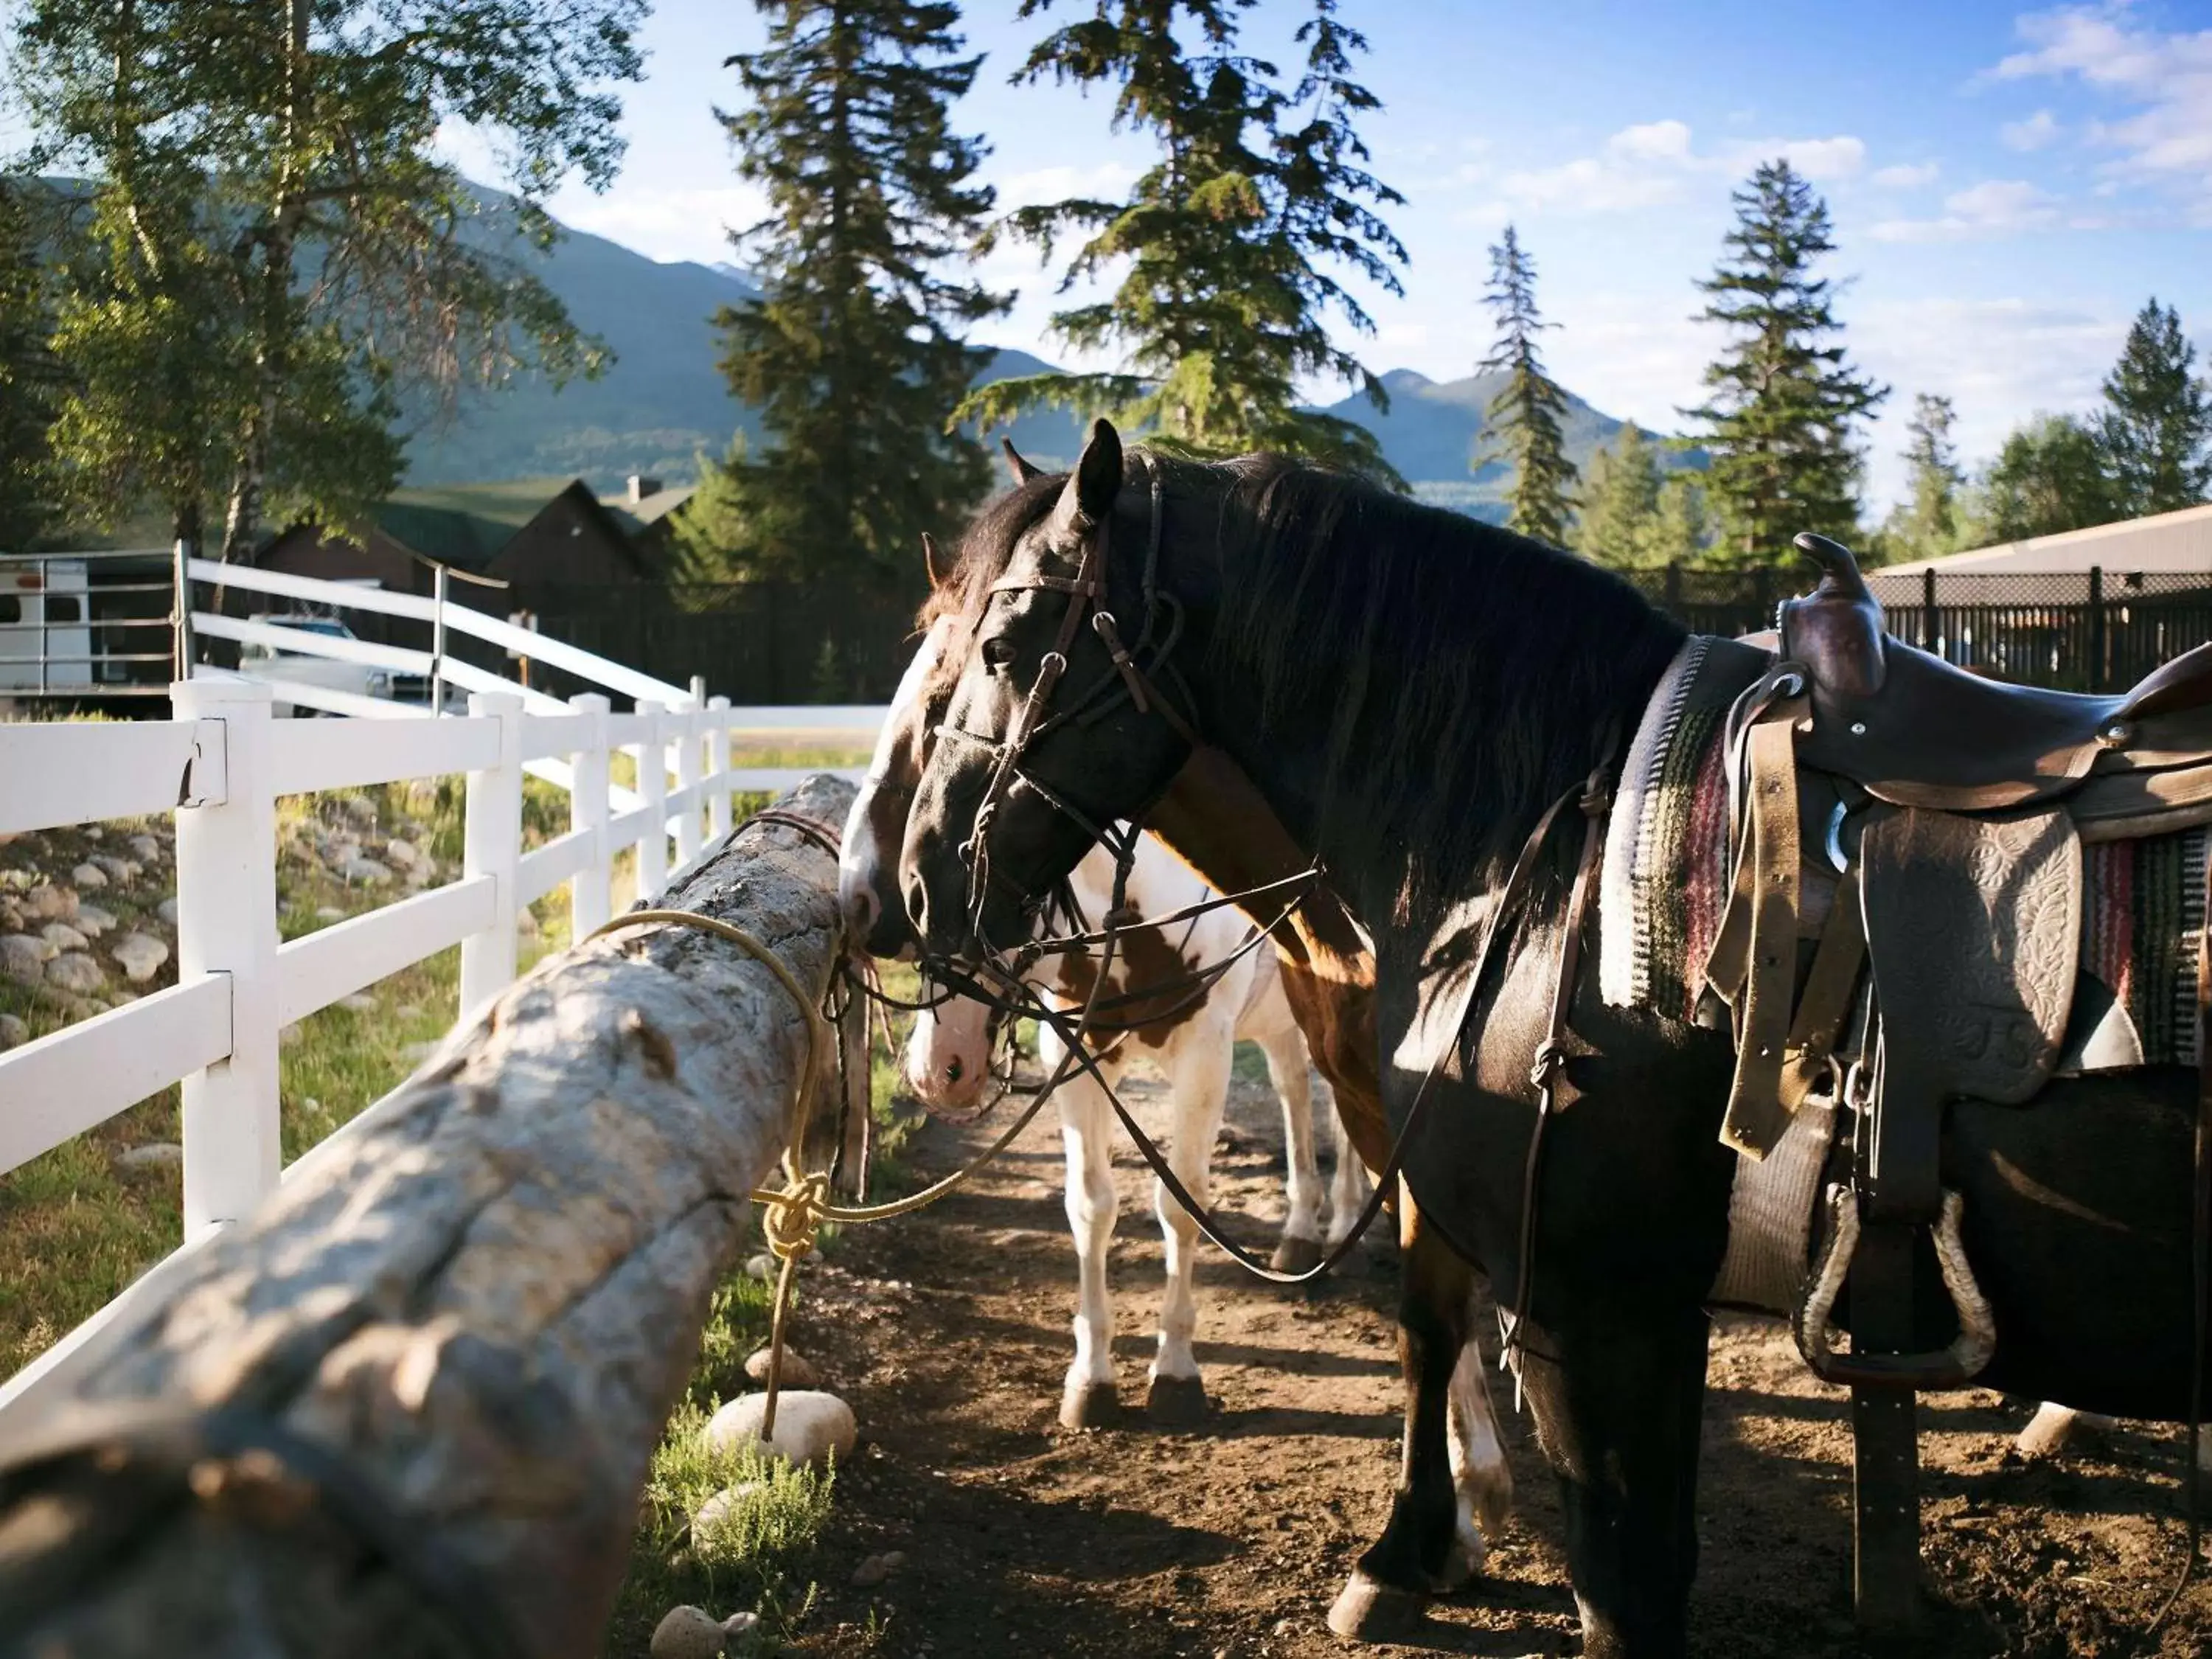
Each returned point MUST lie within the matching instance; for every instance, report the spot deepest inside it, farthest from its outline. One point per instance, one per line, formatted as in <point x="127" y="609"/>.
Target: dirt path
<point x="949" y="1331"/>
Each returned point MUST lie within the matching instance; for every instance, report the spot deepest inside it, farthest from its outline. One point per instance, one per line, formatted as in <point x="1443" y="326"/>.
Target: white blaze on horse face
<point x="948" y="1054"/>
<point x="867" y="851"/>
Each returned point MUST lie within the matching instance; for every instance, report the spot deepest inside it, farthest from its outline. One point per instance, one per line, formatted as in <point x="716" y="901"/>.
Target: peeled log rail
<point x="409" y="1407"/>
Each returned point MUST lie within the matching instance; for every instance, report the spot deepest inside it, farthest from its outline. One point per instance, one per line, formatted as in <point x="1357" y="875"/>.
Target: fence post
<point x="689" y="840"/>
<point x="2098" y="676"/>
<point x="491" y="845"/>
<point x="227" y="925"/>
<point x="718" y="767"/>
<point x="653" y="792"/>
<point x="1675" y="588"/>
<point x="438" y="640"/>
<point x="1928" y="610"/>
<point x="590" y="902"/>
<point x="181" y="647"/>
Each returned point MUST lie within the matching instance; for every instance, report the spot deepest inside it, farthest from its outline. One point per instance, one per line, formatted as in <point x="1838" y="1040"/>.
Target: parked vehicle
<point x="268" y="662"/>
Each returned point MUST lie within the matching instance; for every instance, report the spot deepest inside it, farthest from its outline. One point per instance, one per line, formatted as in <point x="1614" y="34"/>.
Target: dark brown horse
<point x="1408" y="690"/>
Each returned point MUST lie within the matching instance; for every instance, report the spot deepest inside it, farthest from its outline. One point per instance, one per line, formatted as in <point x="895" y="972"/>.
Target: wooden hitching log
<point x="409" y="1407"/>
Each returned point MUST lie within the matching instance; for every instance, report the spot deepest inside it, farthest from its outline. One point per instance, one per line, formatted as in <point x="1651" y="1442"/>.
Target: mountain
<point x="664" y="401"/>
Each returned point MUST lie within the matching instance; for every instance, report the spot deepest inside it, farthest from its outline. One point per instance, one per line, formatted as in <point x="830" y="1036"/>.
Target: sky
<point x="2008" y="185"/>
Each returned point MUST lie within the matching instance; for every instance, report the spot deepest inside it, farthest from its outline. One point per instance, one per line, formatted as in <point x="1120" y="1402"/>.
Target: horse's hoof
<point x="1368" y="1610"/>
<point x="1176" y="1402"/>
<point x="1092" y="1406"/>
<point x="1295" y="1255"/>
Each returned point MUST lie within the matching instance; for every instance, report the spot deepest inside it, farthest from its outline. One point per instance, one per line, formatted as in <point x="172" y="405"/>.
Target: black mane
<point x="1466" y="675"/>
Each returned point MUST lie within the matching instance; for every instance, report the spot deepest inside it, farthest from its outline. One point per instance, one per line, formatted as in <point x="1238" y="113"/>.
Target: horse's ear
<point x="1022" y="470"/>
<point x="929" y="561"/>
<point x="1096" y="480"/>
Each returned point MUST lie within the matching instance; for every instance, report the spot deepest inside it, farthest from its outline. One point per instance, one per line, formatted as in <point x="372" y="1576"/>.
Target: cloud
<point x="1103" y="182"/>
<point x="2166" y="79"/>
<point x="666" y="223"/>
<point x="1996" y="207"/>
<point x="1910" y="176"/>
<point x="2038" y="129"/>
<point x="1655" y="163"/>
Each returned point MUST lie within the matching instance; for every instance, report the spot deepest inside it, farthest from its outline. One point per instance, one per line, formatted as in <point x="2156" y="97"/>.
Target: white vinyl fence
<point x="221" y="764"/>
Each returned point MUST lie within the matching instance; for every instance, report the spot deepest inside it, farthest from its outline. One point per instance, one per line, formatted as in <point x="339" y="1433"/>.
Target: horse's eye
<point x="998" y="654"/>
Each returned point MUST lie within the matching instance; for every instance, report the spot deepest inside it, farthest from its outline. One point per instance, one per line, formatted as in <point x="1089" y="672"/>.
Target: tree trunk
<point x="421" y="1387"/>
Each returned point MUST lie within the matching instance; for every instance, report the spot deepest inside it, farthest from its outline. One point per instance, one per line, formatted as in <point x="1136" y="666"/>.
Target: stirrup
<point x="1942" y="1368"/>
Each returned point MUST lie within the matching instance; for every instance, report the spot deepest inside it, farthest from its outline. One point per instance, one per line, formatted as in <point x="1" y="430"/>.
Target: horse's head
<point x="1053" y="724"/>
<point x="867" y="869"/>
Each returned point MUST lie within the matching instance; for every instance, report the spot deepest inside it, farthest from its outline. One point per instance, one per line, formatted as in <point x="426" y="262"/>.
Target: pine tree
<point x="29" y="374"/>
<point x="1524" y="416"/>
<point x="852" y="353"/>
<point x="1779" y="423"/>
<point x="2049" y="477"/>
<point x="1927" y="524"/>
<point x="1233" y="243"/>
<point x="1683" y="532"/>
<point x="2155" y="435"/>
<point x="1619" y="518"/>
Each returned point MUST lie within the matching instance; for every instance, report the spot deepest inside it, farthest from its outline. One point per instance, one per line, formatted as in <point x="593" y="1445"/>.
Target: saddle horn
<point x="1022" y="470"/>
<point x="929" y="561"/>
<point x="1840" y="568"/>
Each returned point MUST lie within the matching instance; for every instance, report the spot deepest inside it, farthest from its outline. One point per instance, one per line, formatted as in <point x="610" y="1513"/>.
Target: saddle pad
<point x="1666" y="885"/>
<point x="1665" y="882"/>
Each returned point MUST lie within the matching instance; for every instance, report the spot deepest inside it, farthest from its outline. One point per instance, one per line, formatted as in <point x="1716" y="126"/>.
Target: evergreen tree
<point x="1525" y="415"/>
<point x="852" y="353"/>
<point x="2049" y="477"/>
<point x="1927" y="524"/>
<point x="275" y="240"/>
<point x="1779" y="423"/>
<point x="710" y="527"/>
<point x="29" y="375"/>
<point x="1231" y="244"/>
<point x="1683" y="532"/>
<point x="2155" y="435"/>
<point x="1619" y="520"/>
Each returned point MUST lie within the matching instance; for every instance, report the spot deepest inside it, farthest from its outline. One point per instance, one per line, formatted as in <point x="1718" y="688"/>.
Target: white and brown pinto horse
<point x="1323" y="979"/>
<point x="1187" y="1030"/>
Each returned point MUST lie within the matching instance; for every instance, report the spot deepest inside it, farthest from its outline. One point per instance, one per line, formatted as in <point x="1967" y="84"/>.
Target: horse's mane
<point x="1467" y="675"/>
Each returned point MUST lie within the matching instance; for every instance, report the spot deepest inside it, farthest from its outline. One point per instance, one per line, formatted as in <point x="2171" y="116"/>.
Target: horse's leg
<point x="1089" y="1397"/>
<point x="1300" y="1248"/>
<point x="1198" y="1089"/>
<point x="1421" y="1550"/>
<point x="1480" y="1472"/>
<point x="1348" y="1184"/>
<point x="1616" y="1398"/>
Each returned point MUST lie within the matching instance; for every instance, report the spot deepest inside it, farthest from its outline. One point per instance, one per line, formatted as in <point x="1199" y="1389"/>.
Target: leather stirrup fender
<point x="1756" y="1115"/>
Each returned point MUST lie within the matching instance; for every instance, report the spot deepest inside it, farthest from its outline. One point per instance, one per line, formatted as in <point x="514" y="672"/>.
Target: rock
<point x="359" y="1002"/>
<point x="365" y="872"/>
<point x="93" y="922"/>
<point x="51" y="903"/>
<point x="88" y="875"/>
<point x="142" y="955"/>
<point x="63" y="937"/>
<point x="23" y="957"/>
<point x="94" y="832"/>
<point x="358" y="811"/>
<point x="146" y="849"/>
<point x="122" y="872"/>
<point x="75" y="972"/>
<point x="155" y="1155"/>
<point x="329" y="913"/>
<point x="309" y="1103"/>
<point x="687" y="1633"/>
<point x="11" y="918"/>
<point x="69" y="1003"/>
<point x="798" y="1371"/>
<point x="167" y="910"/>
<point x="811" y="1426"/>
<point x="875" y="1569"/>
<point x="525" y="922"/>
<point x="762" y="1267"/>
<point x="740" y="1625"/>
<point x="13" y="1031"/>
<point x="400" y="853"/>
<point x="724" y="1505"/>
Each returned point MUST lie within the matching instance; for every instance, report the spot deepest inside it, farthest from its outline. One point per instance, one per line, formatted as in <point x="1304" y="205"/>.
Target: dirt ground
<point x="949" y="1332"/>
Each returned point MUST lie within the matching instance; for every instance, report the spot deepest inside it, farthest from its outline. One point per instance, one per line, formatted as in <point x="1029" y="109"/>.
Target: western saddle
<point x="1905" y="924"/>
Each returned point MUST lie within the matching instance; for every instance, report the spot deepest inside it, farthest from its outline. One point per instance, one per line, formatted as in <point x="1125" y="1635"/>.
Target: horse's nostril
<point x="917" y="902"/>
<point x="863" y="908"/>
<point x="952" y="1070"/>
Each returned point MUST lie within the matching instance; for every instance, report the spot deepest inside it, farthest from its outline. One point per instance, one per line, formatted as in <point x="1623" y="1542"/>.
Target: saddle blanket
<point x="1665" y="884"/>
